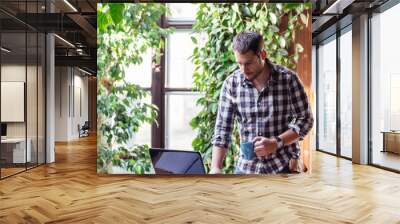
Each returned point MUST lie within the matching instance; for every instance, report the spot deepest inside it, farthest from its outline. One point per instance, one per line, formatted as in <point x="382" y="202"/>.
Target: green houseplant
<point x="124" y="33"/>
<point x="214" y="60"/>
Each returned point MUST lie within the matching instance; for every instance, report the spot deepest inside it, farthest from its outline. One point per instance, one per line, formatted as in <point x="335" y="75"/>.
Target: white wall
<point x="70" y="83"/>
<point x="81" y="88"/>
<point x="12" y="73"/>
<point x="62" y="81"/>
<point x="34" y="125"/>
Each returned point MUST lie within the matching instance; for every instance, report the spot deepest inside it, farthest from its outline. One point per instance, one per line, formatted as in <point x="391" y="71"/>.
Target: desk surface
<point x="13" y="140"/>
<point x="391" y="132"/>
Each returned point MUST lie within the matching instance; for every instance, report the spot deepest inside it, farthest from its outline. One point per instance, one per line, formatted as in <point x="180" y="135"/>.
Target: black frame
<point x="44" y="77"/>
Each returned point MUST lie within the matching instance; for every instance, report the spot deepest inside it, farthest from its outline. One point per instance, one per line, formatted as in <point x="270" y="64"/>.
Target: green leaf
<point x="282" y="52"/>
<point x="102" y="21"/>
<point x="194" y="40"/>
<point x="116" y="12"/>
<point x="139" y="169"/>
<point x="273" y="29"/>
<point x="291" y="6"/>
<point x="235" y="8"/>
<point x="299" y="48"/>
<point x="214" y="108"/>
<point x="273" y="18"/>
<point x="246" y="11"/>
<point x="304" y="19"/>
<point x="282" y="42"/>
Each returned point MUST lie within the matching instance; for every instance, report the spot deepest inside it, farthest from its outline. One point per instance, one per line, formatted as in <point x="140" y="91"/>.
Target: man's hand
<point x="215" y="170"/>
<point x="264" y="146"/>
<point x="297" y="166"/>
<point x="294" y="165"/>
<point x="218" y="156"/>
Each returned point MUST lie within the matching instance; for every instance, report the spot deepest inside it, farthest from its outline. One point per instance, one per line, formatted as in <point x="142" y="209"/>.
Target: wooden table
<point x="13" y="150"/>
<point x="391" y="141"/>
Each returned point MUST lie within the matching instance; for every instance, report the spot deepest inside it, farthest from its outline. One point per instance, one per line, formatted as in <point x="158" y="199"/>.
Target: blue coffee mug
<point x="247" y="149"/>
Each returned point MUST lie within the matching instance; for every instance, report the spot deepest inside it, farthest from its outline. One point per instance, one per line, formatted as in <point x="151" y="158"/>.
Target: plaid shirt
<point x="281" y="105"/>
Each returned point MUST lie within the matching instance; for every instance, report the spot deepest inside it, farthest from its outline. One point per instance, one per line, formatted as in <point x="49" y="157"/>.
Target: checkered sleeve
<point x="225" y="116"/>
<point x="304" y="120"/>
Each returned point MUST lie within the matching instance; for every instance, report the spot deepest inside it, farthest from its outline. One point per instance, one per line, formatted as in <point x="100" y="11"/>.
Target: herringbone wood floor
<point x="70" y="191"/>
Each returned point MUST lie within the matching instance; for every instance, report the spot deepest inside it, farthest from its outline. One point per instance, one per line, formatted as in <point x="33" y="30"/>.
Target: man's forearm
<point x="218" y="156"/>
<point x="289" y="136"/>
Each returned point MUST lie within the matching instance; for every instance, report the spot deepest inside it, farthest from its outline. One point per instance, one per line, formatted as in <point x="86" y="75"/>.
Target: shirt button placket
<point x="259" y="120"/>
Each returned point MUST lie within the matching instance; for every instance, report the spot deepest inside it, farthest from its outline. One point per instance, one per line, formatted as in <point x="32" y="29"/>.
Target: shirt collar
<point x="273" y="78"/>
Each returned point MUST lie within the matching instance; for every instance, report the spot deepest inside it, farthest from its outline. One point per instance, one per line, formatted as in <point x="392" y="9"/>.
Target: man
<point x="270" y="105"/>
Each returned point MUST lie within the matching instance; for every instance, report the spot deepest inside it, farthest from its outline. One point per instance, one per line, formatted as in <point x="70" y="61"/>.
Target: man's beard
<point x="255" y="76"/>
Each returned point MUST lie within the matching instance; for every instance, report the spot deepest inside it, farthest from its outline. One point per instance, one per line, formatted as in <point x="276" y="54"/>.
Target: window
<point x="327" y="96"/>
<point x="182" y="11"/>
<point x="143" y="136"/>
<point x="141" y="75"/>
<point x="385" y="88"/>
<point x="176" y="99"/>
<point x="180" y="109"/>
<point x="180" y="100"/>
<point x="179" y="67"/>
<point x="22" y="61"/>
<point x="314" y="89"/>
<point x="334" y="109"/>
<point x="346" y="94"/>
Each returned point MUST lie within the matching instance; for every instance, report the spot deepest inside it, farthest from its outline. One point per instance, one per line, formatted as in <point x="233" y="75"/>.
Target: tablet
<point x="167" y="161"/>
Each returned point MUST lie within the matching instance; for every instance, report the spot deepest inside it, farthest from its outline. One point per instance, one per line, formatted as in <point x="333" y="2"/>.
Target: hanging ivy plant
<point x="124" y="33"/>
<point x="214" y="60"/>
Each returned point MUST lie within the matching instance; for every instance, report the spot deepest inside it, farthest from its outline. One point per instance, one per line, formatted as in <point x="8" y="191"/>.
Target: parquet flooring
<point x="10" y="171"/>
<point x="387" y="159"/>
<point x="70" y="191"/>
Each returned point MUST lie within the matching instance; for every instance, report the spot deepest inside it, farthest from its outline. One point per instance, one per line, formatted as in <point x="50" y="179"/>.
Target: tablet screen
<point x="176" y="162"/>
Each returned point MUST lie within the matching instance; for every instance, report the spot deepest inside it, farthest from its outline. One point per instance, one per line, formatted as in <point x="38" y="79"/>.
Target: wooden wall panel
<point x="304" y="70"/>
<point x="92" y="101"/>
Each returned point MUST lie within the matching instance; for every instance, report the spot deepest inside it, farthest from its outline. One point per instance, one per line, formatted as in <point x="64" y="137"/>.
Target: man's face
<point x="250" y="64"/>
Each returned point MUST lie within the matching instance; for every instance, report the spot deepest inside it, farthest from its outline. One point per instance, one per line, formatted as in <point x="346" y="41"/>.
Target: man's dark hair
<point x="248" y="41"/>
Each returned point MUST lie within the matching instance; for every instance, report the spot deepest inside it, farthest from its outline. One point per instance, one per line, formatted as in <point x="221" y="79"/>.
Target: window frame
<point x="158" y="84"/>
<point x="334" y="37"/>
<point x="381" y="9"/>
